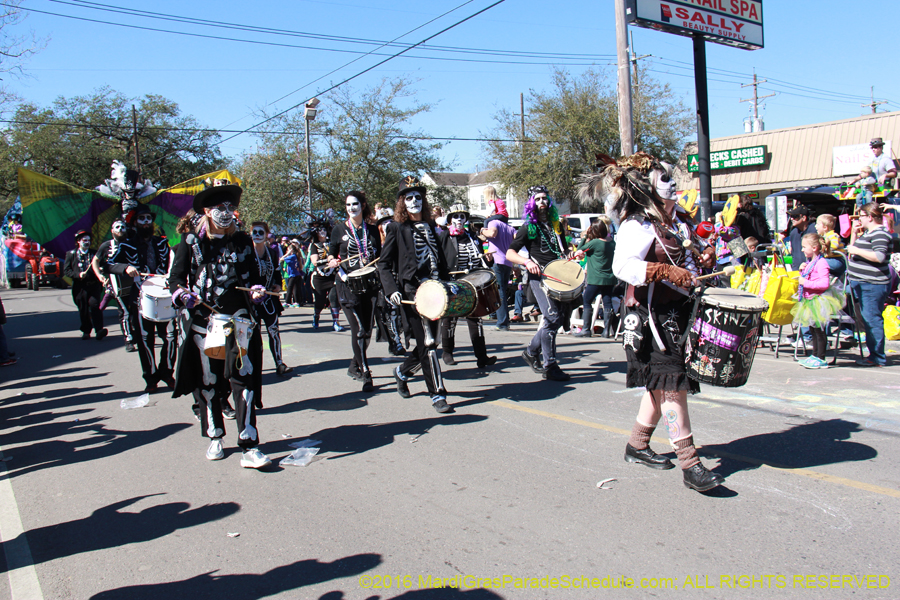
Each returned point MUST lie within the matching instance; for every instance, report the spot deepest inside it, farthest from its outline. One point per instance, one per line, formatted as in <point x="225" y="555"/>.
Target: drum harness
<point x="652" y="285"/>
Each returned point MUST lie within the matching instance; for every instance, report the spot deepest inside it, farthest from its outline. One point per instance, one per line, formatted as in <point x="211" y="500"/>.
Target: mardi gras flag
<point x="54" y="211"/>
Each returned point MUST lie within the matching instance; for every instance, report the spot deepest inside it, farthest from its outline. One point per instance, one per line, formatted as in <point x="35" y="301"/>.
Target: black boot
<point x="647" y="457"/>
<point x="701" y="479"/>
<point x="448" y="359"/>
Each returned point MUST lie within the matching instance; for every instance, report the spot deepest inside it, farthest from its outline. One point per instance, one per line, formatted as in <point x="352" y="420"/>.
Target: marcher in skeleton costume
<point x="144" y="252"/>
<point x="651" y="259"/>
<point x="388" y="318"/>
<point x="463" y="252"/>
<point x="411" y="250"/>
<point x="87" y="291"/>
<point x="269" y="310"/>
<point x="323" y="279"/>
<point x="357" y="243"/>
<point x="542" y="236"/>
<point x="117" y="286"/>
<point x="211" y="262"/>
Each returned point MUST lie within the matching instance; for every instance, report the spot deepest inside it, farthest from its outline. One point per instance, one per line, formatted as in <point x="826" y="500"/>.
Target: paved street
<point x="499" y="499"/>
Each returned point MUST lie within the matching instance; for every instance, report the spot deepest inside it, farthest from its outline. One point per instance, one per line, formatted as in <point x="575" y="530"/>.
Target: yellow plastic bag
<point x="752" y="282"/>
<point x="780" y="292"/>
<point x="738" y="278"/>
<point x="891" y="316"/>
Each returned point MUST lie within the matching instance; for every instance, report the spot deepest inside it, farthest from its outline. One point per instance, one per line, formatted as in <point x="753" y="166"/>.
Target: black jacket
<point x="450" y="245"/>
<point x="399" y="254"/>
<point x="89" y="283"/>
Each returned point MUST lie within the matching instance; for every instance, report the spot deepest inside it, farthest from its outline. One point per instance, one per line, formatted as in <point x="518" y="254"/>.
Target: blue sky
<point x="820" y="58"/>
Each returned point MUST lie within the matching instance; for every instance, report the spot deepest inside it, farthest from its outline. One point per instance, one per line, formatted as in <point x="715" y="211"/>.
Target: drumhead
<point x="734" y="299"/>
<point x="361" y="272"/>
<point x="431" y="299"/>
<point x="567" y="271"/>
<point x="155" y="291"/>
<point x="479" y="278"/>
<point x="155" y="281"/>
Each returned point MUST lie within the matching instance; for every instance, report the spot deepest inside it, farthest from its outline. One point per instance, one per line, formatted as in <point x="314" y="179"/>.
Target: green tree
<point x="360" y="140"/>
<point x="577" y="119"/>
<point x="76" y="140"/>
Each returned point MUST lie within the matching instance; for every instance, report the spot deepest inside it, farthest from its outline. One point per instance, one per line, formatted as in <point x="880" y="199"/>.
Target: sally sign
<point x="731" y="22"/>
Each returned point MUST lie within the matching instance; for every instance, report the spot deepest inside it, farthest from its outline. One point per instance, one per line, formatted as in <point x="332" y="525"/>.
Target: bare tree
<point x="15" y="48"/>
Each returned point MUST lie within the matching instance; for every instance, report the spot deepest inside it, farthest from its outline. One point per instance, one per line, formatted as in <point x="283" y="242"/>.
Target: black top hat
<point x="876" y="142"/>
<point x="213" y="196"/>
<point x="411" y="183"/>
<point x="82" y="233"/>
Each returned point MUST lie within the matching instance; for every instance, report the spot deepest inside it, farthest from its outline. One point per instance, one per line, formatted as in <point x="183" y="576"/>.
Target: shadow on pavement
<point x="107" y="527"/>
<point x="249" y="586"/>
<point x="801" y="446"/>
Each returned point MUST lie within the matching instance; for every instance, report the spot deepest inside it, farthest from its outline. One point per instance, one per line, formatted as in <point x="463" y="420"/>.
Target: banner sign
<point x="753" y="156"/>
<point x="730" y="22"/>
<point x="848" y="160"/>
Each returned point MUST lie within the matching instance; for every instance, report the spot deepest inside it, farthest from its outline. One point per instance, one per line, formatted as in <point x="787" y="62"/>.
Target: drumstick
<point x="150" y="275"/>
<point x="551" y="278"/>
<point x="689" y="245"/>
<point x="350" y="258"/>
<point x="201" y="301"/>
<point x="408" y="301"/>
<point x="243" y="289"/>
<point x="729" y="270"/>
<point x="457" y="272"/>
<point x="373" y="262"/>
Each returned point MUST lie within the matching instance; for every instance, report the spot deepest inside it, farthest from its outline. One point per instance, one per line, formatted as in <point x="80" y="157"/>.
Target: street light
<point x="309" y="114"/>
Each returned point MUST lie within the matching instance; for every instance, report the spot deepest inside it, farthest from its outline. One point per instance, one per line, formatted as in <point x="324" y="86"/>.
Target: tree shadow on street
<point x="802" y="446"/>
<point x="249" y="586"/>
<point x="108" y="527"/>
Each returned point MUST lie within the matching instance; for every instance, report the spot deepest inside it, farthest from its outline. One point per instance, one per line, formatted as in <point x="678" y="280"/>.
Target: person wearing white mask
<point x="212" y="261"/>
<point x="119" y="287"/>
<point x="464" y="252"/>
<point x="87" y="291"/>
<point x="355" y="243"/>
<point x="411" y="249"/>
<point x="270" y="308"/>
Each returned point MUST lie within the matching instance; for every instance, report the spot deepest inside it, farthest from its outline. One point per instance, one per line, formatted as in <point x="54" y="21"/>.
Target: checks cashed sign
<point x="732" y="22"/>
<point x="754" y="156"/>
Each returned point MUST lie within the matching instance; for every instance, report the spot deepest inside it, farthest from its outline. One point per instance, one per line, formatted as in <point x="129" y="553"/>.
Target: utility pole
<point x="873" y="104"/>
<point x="634" y="59"/>
<point x="522" y="113"/>
<point x="755" y="100"/>
<point x="137" y="152"/>
<point x="626" y="123"/>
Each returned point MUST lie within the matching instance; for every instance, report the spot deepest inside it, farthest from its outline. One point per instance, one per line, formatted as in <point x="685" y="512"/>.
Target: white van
<point x="578" y="222"/>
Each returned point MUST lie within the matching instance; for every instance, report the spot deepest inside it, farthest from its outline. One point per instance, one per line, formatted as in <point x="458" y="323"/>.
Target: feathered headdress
<point x="624" y="186"/>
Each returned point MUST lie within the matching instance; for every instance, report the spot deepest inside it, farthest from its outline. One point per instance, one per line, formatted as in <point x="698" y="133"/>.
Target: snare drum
<point x="722" y="341"/>
<point x="570" y="274"/>
<point x="362" y="280"/>
<point x="156" y="300"/>
<point x="219" y="328"/>
<point x="487" y="292"/>
<point x="436" y="299"/>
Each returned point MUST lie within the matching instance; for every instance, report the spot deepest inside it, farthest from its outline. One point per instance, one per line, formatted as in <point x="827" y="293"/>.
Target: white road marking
<point x="23" y="580"/>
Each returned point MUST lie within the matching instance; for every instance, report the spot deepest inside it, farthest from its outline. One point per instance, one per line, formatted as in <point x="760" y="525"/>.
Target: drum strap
<point x="690" y="323"/>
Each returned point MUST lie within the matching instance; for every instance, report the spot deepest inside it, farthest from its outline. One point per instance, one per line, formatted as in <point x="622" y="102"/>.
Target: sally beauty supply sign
<point x="732" y="22"/>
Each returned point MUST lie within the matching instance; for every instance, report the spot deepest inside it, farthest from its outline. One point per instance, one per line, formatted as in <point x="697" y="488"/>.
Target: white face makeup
<point x="458" y="220"/>
<point x="119" y="228"/>
<point x="353" y="205"/>
<point x="542" y="201"/>
<point x="258" y="234"/>
<point x="145" y="220"/>
<point x="413" y="202"/>
<point x="84" y="243"/>
<point x="665" y="187"/>
<point x="222" y="215"/>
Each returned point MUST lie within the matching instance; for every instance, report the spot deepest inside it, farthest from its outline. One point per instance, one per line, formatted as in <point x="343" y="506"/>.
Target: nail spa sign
<point x="731" y="22"/>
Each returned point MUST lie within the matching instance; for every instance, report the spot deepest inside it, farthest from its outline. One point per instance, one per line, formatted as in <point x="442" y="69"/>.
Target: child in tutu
<point x="817" y="300"/>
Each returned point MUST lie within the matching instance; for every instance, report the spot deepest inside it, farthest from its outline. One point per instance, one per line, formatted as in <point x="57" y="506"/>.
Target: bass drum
<point x="563" y="280"/>
<point x="156" y="300"/>
<point x="437" y="299"/>
<point x="487" y="292"/>
<point x="722" y="341"/>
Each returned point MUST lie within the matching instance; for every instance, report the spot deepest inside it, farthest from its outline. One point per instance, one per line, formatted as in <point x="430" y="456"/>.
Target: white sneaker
<point x="215" y="451"/>
<point x="254" y="459"/>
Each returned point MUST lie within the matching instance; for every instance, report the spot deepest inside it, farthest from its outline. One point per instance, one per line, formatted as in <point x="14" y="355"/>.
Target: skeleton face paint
<point x="458" y="220"/>
<point x="119" y="229"/>
<point x="665" y="186"/>
<point x="542" y="201"/>
<point x="145" y="219"/>
<point x="413" y="203"/>
<point x="353" y="205"/>
<point x="84" y="243"/>
<point x="258" y="234"/>
<point x="222" y="215"/>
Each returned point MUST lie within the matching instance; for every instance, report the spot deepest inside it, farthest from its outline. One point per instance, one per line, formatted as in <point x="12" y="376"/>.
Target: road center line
<point x="868" y="487"/>
<point x="23" y="580"/>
